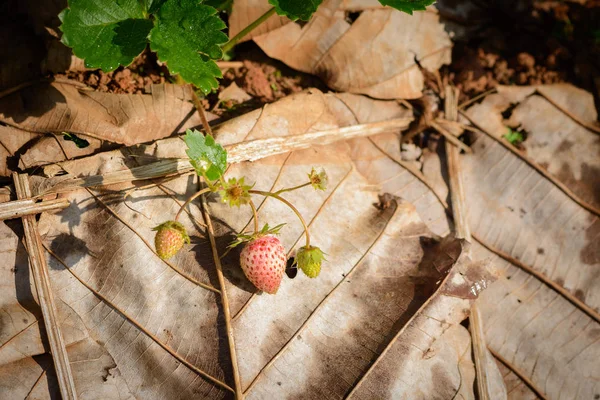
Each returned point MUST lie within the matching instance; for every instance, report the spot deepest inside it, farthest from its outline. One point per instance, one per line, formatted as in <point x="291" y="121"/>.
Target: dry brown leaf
<point x="25" y="368"/>
<point x="568" y="150"/>
<point x="387" y="280"/>
<point x="550" y="340"/>
<point x="524" y="319"/>
<point x="119" y="118"/>
<point x="235" y="93"/>
<point x="374" y="55"/>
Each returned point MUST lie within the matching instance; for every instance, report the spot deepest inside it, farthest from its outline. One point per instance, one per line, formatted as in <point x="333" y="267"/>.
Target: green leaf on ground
<point x="514" y="137"/>
<point x="296" y="9"/>
<point x="208" y="158"/>
<point x="105" y="33"/>
<point x="187" y="35"/>
<point x="408" y="6"/>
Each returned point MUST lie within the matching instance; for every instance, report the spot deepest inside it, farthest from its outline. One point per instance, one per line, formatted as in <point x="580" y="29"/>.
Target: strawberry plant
<point x="263" y="258"/>
<point x="187" y="35"/>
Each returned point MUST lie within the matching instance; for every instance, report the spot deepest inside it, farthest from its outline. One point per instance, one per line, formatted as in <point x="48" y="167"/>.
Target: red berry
<point x="170" y="238"/>
<point x="263" y="260"/>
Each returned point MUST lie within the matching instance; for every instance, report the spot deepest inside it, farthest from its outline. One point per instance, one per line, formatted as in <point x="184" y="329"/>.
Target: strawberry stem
<point x="293" y="188"/>
<point x="255" y="214"/>
<point x="188" y="201"/>
<point x="290" y="205"/>
<point x="233" y="41"/>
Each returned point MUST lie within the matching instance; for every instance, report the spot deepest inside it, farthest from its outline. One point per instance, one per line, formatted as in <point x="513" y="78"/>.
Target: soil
<point x="517" y="42"/>
<point x="544" y="42"/>
<point x="144" y="71"/>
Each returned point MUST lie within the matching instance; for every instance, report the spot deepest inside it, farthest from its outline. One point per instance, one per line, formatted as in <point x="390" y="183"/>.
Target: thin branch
<point x="538" y="168"/>
<point x="239" y="152"/>
<point x="450" y="137"/>
<point x="20" y="208"/>
<point x="151" y="248"/>
<point x="224" y="302"/>
<point x="461" y="227"/>
<point x="138" y="325"/>
<point x="519" y="373"/>
<point x="474" y="99"/>
<point x="43" y="286"/>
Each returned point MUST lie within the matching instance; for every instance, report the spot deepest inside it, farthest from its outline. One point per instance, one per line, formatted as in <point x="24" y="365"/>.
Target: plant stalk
<point x="233" y="41"/>
<point x="255" y="214"/>
<point x="188" y="201"/>
<point x="290" y="205"/>
<point x="292" y="188"/>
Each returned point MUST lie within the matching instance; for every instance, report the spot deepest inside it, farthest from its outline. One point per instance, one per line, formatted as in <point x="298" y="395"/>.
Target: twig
<point x="245" y="151"/>
<point x="461" y="227"/>
<point x="43" y="287"/>
<point x="474" y="99"/>
<point x="20" y="208"/>
<point x="450" y="137"/>
<point x="239" y="395"/>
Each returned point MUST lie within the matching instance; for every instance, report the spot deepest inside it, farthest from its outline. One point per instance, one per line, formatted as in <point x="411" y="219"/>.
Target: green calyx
<point x="235" y="192"/>
<point x="309" y="260"/>
<point x="318" y="180"/>
<point x="176" y="226"/>
<point x="266" y="230"/>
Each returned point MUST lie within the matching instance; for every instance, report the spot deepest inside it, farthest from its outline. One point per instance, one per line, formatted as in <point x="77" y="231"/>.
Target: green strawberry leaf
<point x="152" y="6"/>
<point x="296" y="9"/>
<point x="187" y="35"/>
<point x="208" y="158"/>
<point x="105" y="33"/>
<point x="408" y="6"/>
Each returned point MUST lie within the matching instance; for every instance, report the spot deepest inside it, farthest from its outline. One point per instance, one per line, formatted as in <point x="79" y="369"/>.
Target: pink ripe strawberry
<point x="263" y="260"/>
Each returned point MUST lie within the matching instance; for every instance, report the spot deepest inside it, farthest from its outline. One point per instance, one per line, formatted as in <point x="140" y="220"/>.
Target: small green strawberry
<point x="309" y="260"/>
<point x="170" y="238"/>
<point x="263" y="261"/>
